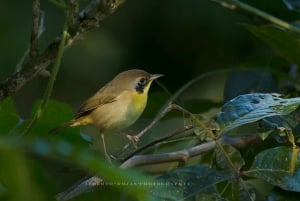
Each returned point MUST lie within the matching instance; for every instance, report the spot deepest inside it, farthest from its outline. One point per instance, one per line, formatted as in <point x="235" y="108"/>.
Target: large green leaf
<point x="8" y="116"/>
<point x="273" y="165"/>
<point x="55" y="114"/>
<point x="187" y="182"/>
<point x="285" y="43"/>
<point x="249" y="108"/>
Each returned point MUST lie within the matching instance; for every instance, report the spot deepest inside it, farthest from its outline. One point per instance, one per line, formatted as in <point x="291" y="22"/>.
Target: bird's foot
<point x="133" y="139"/>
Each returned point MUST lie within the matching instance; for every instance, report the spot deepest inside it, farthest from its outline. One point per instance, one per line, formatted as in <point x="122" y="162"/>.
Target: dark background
<point x="181" y="39"/>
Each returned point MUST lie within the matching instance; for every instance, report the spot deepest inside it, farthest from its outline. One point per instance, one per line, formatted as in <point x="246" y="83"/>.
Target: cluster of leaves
<point x="238" y="175"/>
<point x="231" y="175"/>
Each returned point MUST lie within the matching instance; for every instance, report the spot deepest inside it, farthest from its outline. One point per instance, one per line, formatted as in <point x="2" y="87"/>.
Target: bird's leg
<point x="104" y="148"/>
<point x="133" y="139"/>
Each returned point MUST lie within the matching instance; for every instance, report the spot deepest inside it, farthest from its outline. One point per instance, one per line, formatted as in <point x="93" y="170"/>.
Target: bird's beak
<point x="155" y="76"/>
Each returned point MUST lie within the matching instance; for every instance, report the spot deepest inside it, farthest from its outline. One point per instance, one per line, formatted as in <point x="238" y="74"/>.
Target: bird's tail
<point x="63" y="126"/>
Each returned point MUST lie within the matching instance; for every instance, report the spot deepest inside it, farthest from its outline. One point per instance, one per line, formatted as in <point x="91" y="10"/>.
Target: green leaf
<point x="273" y="166"/>
<point x="249" y="108"/>
<point x="187" y="182"/>
<point x="285" y="43"/>
<point x="8" y="116"/>
<point x="19" y="176"/>
<point x="229" y="159"/>
<point x="55" y="114"/>
<point x="132" y="182"/>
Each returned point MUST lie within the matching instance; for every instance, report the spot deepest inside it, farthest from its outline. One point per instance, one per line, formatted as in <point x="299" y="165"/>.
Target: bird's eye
<point x="142" y="82"/>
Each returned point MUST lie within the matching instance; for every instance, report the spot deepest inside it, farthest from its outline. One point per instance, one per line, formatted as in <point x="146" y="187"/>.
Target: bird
<point x="116" y="105"/>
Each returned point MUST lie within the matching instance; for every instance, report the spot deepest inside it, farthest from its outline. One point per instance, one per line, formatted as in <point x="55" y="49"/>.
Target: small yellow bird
<point x="117" y="105"/>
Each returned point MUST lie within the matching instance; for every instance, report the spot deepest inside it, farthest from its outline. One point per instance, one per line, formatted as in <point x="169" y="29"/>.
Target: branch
<point x="35" y="28"/>
<point x="93" y="182"/>
<point x="182" y="155"/>
<point x="83" y="186"/>
<point x="235" y="5"/>
<point x="89" y="18"/>
<point x="165" y="137"/>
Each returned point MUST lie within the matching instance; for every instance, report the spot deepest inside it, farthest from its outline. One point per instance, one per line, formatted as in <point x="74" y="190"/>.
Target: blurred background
<point x="181" y="39"/>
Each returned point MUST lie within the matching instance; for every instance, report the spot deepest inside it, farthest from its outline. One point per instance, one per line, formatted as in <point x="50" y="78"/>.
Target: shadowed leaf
<point x="184" y="183"/>
<point x="273" y="166"/>
<point x="249" y="108"/>
<point x="8" y="116"/>
<point x="285" y="43"/>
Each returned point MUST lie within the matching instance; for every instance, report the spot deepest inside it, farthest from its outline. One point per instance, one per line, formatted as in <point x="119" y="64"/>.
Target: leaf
<point x="19" y="176"/>
<point x="284" y="43"/>
<point x="249" y="108"/>
<point x="132" y="182"/>
<point x="227" y="152"/>
<point x="55" y="114"/>
<point x="186" y="182"/>
<point x="8" y="116"/>
<point x="273" y="166"/>
<point x="229" y="159"/>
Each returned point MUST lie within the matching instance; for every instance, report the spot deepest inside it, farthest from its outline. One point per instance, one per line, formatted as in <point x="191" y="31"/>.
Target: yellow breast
<point x="139" y="101"/>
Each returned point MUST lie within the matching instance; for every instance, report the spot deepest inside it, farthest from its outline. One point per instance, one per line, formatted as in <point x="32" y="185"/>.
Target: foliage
<point x="37" y="166"/>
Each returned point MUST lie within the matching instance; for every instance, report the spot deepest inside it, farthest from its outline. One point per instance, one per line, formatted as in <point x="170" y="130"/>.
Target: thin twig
<point x="35" y="28"/>
<point x="165" y="137"/>
<point x="195" y="119"/>
<point x="160" y="115"/>
<point x="235" y="4"/>
<point x="182" y="155"/>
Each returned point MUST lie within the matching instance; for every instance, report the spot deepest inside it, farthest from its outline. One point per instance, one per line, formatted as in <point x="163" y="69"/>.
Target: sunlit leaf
<point x="9" y="118"/>
<point x="250" y="108"/>
<point x="273" y="166"/>
<point x="186" y="182"/>
<point x="285" y="43"/>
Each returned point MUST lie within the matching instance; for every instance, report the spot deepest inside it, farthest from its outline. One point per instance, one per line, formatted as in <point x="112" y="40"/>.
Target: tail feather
<point x="61" y="127"/>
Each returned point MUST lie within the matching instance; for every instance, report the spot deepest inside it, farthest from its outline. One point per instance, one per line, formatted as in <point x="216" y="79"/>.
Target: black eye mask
<point x="141" y="85"/>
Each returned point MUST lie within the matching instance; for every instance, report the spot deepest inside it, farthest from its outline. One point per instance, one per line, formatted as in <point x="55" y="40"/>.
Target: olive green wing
<point x="107" y="94"/>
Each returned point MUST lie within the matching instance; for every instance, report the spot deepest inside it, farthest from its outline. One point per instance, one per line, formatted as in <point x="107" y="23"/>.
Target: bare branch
<point x="35" y="27"/>
<point x="89" y="18"/>
<point x="83" y="186"/>
<point x="165" y="137"/>
<point x="182" y="155"/>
